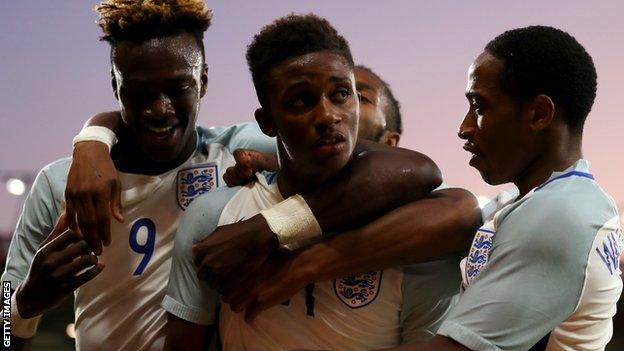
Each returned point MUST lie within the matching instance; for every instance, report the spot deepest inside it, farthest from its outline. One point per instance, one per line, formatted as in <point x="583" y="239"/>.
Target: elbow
<point x="467" y="215"/>
<point x="426" y="175"/>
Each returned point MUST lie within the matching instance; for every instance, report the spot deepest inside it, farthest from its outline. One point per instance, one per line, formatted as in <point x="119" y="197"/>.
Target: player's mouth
<point x="330" y="144"/>
<point x="162" y="134"/>
<point x="468" y="146"/>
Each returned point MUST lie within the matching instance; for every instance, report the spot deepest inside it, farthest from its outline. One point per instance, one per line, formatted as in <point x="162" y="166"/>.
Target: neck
<point x="129" y="158"/>
<point x="556" y="158"/>
<point x="291" y="182"/>
<point x="290" y="179"/>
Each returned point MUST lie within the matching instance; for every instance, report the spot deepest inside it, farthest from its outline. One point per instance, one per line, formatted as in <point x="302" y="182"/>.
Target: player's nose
<point x="467" y="127"/>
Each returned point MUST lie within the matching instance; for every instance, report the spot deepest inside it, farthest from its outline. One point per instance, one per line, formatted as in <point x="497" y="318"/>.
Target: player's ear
<point x="204" y="81"/>
<point x="543" y="112"/>
<point x="390" y="138"/>
<point x="114" y="84"/>
<point x="265" y="121"/>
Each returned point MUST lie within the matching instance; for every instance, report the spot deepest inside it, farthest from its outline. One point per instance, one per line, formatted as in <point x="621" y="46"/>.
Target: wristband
<point x="96" y="133"/>
<point x="293" y="222"/>
<point x="20" y="327"/>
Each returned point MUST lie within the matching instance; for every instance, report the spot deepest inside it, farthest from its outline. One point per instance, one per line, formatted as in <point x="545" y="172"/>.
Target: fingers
<point x="70" y="210"/>
<point x="60" y="227"/>
<point x="86" y="276"/>
<point x="87" y="223"/>
<point x="61" y="241"/>
<point x="102" y="218"/>
<point x="253" y="310"/>
<point x="73" y="250"/>
<point x="243" y="171"/>
<point x="241" y="297"/>
<point x="238" y="175"/>
<point x="115" y="204"/>
<point x="260" y="161"/>
<point x="74" y="267"/>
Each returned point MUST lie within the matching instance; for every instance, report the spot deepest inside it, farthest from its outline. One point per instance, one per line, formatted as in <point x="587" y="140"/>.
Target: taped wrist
<point x="293" y="222"/>
<point x="96" y="133"/>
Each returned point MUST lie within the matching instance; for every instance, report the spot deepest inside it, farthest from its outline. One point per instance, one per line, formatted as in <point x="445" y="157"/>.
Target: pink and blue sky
<point x="54" y="73"/>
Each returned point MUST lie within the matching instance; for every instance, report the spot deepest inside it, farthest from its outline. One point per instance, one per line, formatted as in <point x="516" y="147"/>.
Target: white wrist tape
<point x="96" y="133"/>
<point x="20" y="327"/>
<point x="293" y="222"/>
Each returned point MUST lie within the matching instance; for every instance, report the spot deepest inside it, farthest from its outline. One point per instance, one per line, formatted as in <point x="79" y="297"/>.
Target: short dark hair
<point x="139" y="20"/>
<point x="292" y="36"/>
<point x="393" y="109"/>
<point x="546" y="60"/>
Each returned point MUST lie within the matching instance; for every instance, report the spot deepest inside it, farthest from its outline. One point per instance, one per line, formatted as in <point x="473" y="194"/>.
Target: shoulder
<point x="202" y="215"/>
<point x="563" y="218"/>
<point x="56" y="172"/>
<point x="224" y="135"/>
<point x="52" y="178"/>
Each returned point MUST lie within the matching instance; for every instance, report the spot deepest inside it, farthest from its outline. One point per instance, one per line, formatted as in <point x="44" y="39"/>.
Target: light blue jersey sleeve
<point x="39" y="215"/>
<point x="242" y="136"/>
<point x="534" y="277"/>
<point x="430" y="290"/>
<point x="188" y="297"/>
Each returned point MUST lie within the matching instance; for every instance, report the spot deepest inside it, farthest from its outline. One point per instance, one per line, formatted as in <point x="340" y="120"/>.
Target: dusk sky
<point x="54" y="73"/>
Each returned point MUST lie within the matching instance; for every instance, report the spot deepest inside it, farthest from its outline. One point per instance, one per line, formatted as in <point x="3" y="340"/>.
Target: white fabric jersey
<point x="120" y="308"/>
<point x="374" y="310"/>
<point x="542" y="273"/>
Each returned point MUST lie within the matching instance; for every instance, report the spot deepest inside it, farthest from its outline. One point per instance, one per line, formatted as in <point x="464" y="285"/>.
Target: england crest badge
<point x="479" y="253"/>
<point x="194" y="181"/>
<point x="358" y="291"/>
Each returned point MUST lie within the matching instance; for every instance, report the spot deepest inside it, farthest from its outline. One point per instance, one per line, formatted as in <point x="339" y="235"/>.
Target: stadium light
<point x="15" y="186"/>
<point x="71" y="330"/>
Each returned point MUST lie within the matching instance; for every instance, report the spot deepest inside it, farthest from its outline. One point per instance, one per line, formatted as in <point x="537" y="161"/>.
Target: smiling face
<point x="312" y="107"/>
<point x="158" y="83"/>
<point x="497" y="127"/>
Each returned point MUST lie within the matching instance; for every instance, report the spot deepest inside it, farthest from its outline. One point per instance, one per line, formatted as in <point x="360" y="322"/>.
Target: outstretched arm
<point x="378" y="179"/>
<point x="441" y="224"/>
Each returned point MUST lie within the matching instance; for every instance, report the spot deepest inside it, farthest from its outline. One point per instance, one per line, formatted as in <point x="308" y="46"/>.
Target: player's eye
<point x="341" y="95"/>
<point x="299" y="101"/>
<point x="364" y="99"/>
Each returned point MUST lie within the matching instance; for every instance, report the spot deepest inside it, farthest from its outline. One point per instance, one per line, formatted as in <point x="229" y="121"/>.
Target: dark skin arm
<point x="437" y="343"/>
<point x="52" y="274"/>
<point x="378" y="179"/>
<point x="93" y="192"/>
<point x="185" y="335"/>
<point x="442" y="224"/>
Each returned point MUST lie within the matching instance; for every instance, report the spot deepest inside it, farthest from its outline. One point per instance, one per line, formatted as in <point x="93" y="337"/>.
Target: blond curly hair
<point x="139" y="20"/>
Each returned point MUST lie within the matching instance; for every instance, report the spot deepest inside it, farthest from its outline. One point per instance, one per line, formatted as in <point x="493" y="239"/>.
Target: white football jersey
<point x="370" y="311"/>
<point x="542" y="273"/>
<point x="120" y="308"/>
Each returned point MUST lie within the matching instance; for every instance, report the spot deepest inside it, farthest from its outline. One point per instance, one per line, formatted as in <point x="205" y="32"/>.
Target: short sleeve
<point x="532" y="282"/>
<point x="39" y="214"/>
<point x="188" y="297"/>
<point x="489" y="208"/>
<point x="430" y="290"/>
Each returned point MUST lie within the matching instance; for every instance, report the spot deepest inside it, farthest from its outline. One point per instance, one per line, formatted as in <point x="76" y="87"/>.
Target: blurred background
<point x="54" y="74"/>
